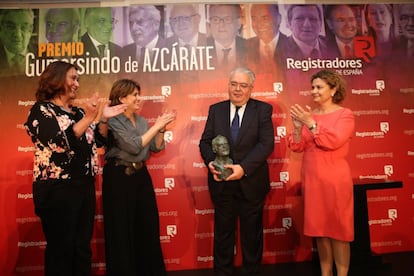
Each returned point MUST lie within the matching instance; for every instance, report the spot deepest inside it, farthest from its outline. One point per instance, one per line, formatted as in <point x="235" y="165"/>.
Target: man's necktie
<point x="140" y="53"/>
<point x="226" y="56"/>
<point x="314" y="54"/>
<point x="101" y="50"/>
<point x="189" y="75"/>
<point x="267" y="51"/>
<point x="17" y="64"/>
<point x="235" y="125"/>
<point x="348" y="52"/>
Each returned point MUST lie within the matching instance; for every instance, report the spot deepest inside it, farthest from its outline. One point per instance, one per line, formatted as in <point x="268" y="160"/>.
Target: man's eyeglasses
<point x="302" y="19"/>
<point x="12" y="27"/>
<point x="105" y="22"/>
<point x="343" y="20"/>
<point x="139" y="22"/>
<point x="263" y="18"/>
<point x="406" y="18"/>
<point x="217" y="20"/>
<point x="61" y="26"/>
<point x="242" y="85"/>
<point x="184" y="19"/>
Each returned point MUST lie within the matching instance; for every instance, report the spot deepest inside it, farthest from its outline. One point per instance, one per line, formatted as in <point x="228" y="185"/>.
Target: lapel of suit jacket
<point x="240" y="50"/>
<point x="202" y="40"/>
<point x="213" y="51"/>
<point x="323" y="47"/>
<point x="255" y="49"/>
<point x="88" y="45"/>
<point x="226" y="120"/>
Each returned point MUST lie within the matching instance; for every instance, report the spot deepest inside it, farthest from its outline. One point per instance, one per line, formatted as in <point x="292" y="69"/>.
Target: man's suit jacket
<point x="130" y="49"/>
<point x="292" y="50"/>
<point x="276" y="66"/>
<point x="333" y="49"/>
<point x="6" y="69"/>
<point x="400" y="48"/>
<point x="185" y="76"/>
<point x="148" y="77"/>
<point x="4" y="65"/>
<point x="88" y="46"/>
<point x="398" y="64"/>
<point x="240" y="52"/>
<point x="254" y="144"/>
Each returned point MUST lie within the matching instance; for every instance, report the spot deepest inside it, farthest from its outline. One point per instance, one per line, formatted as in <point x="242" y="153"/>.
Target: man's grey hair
<point x="244" y="70"/>
<point x="152" y="11"/>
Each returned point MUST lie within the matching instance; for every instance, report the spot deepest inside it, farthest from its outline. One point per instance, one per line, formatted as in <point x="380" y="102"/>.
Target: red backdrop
<point x="380" y="92"/>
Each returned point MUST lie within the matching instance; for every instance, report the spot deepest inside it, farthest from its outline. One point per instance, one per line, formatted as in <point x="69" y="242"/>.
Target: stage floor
<point x="395" y="264"/>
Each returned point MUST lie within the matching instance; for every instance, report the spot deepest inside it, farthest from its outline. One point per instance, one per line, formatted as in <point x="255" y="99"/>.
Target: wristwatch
<point x="312" y="127"/>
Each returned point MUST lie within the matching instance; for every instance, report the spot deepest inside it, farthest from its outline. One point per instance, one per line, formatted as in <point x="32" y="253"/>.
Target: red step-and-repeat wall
<point x="380" y="77"/>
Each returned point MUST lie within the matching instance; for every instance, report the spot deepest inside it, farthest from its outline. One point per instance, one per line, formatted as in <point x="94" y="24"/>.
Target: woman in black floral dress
<point x="65" y="162"/>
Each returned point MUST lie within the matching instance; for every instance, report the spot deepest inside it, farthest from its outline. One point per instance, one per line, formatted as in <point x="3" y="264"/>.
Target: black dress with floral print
<point x="58" y="153"/>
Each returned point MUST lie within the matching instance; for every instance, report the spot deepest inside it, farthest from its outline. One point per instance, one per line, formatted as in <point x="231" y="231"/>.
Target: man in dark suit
<point x="229" y="48"/>
<point x="403" y="48"/>
<point x="242" y="194"/>
<point x="185" y="23"/>
<point x="144" y="25"/>
<point x="99" y="24"/>
<point x="342" y="22"/>
<point x="16" y="28"/>
<point x="264" y="51"/>
<point x="305" y="23"/>
<point x="405" y="43"/>
<point x="62" y="25"/>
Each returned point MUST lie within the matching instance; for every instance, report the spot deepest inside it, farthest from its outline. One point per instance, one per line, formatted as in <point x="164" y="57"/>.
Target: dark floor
<point x="395" y="264"/>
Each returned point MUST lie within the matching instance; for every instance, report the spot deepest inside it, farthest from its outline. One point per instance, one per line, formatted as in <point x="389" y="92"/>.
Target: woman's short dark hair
<point x="52" y="80"/>
<point x="334" y="80"/>
<point x="122" y="88"/>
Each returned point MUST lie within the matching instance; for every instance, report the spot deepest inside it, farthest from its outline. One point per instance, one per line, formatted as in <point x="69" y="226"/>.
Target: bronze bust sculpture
<point x="221" y="148"/>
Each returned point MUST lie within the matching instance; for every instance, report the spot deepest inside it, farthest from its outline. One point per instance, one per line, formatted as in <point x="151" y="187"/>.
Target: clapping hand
<point x="112" y="111"/>
<point x="166" y="118"/>
<point x="300" y="116"/>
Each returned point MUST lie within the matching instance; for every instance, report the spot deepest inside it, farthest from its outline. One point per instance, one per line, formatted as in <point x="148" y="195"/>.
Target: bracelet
<point x="312" y="127"/>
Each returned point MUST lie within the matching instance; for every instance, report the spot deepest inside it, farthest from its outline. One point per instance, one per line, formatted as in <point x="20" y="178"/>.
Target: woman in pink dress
<point x="323" y="135"/>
